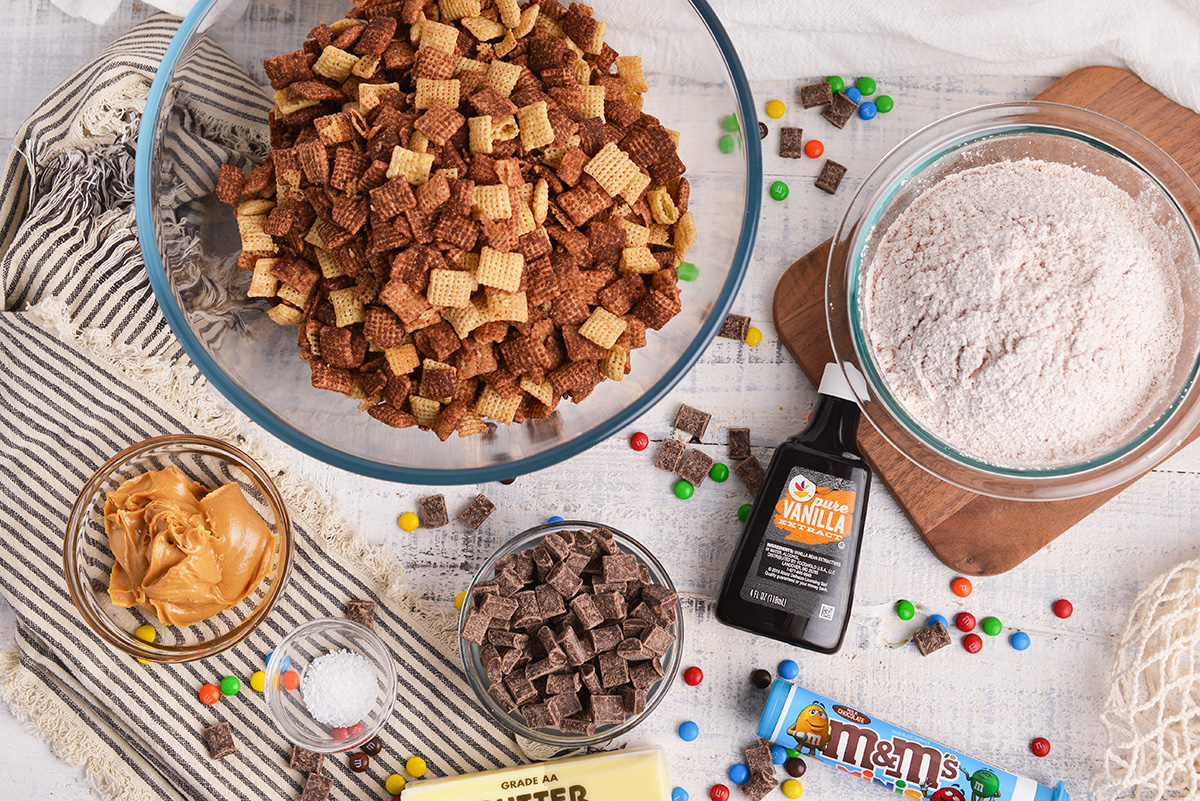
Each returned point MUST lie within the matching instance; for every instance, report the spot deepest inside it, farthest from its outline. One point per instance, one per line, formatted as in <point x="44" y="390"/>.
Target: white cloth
<point x="785" y="39"/>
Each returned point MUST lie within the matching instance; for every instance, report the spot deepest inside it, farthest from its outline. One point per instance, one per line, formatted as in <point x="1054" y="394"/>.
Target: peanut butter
<point x="184" y="553"/>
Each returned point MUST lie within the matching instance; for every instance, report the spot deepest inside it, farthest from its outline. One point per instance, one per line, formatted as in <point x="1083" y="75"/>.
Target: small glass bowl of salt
<point x="344" y="685"/>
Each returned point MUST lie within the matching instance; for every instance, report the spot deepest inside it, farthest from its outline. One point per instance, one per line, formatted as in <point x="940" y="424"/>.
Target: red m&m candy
<point x="639" y="441"/>
<point x="973" y="643"/>
<point x="1063" y="608"/>
<point x="965" y="621"/>
<point x="693" y="676"/>
<point x="356" y="730"/>
<point x="719" y="792"/>
<point x="339" y="733"/>
<point x="1040" y="746"/>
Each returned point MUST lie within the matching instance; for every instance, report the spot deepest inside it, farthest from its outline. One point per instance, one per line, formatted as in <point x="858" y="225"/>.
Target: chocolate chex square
<point x="433" y="511"/>
<point x="477" y="511"/>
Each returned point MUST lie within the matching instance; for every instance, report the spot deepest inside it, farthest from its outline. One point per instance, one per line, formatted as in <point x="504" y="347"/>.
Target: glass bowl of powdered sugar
<point x="331" y="685"/>
<point x="1014" y="295"/>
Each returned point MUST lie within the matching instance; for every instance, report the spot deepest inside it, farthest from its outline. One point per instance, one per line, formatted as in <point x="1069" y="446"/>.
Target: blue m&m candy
<point x="867" y="110"/>
<point x="1019" y="640"/>
<point x="688" y="731"/>
<point x="937" y="619"/>
<point x="739" y="773"/>
<point x="853" y="93"/>
<point x="789" y="669"/>
<point x="778" y="754"/>
<point x="679" y="794"/>
<point x="555" y="519"/>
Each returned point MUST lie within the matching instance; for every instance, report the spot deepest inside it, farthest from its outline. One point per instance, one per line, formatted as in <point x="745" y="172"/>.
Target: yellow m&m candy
<point x="792" y="788"/>
<point x="145" y="633"/>
<point x="395" y="784"/>
<point x="415" y="767"/>
<point x="409" y="521"/>
<point x="775" y="109"/>
<point x="258" y="681"/>
<point x="753" y="336"/>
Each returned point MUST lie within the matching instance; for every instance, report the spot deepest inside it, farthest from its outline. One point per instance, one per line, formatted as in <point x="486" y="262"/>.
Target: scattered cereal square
<point x="840" y="110"/>
<point x="433" y="511"/>
<point x="751" y="472"/>
<point x="734" y="327"/>
<point x="695" y="467"/>
<point x="362" y="613"/>
<point x="931" y="638"/>
<point x="317" y="788"/>
<point x="670" y="456"/>
<point x="816" y="94"/>
<point x="305" y="760"/>
<point x="739" y="443"/>
<point x="791" y="143"/>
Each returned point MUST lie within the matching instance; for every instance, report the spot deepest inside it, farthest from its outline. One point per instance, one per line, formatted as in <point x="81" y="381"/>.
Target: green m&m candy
<point x="683" y="489"/>
<point x="730" y="123"/>
<point x="836" y="83"/>
<point x="865" y="85"/>
<point x="230" y="685"/>
<point x="905" y="610"/>
<point x="725" y="143"/>
<point x="743" y="512"/>
<point x="719" y="472"/>
<point x="779" y="190"/>
<point x="687" y="271"/>
<point x="991" y="626"/>
<point x="884" y="104"/>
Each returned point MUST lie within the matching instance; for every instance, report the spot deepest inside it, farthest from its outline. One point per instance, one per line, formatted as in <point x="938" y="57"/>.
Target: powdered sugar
<point x="339" y="688"/>
<point x="1027" y="313"/>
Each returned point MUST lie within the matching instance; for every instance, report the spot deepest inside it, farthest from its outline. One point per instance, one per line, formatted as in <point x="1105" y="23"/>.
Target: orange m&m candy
<point x="961" y="587"/>
<point x="210" y="694"/>
<point x="291" y="680"/>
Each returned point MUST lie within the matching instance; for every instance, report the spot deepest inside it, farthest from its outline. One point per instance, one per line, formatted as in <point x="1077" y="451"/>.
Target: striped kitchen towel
<point x="88" y="366"/>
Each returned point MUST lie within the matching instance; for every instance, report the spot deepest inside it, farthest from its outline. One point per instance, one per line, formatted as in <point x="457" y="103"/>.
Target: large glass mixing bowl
<point x="1013" y="131"/>
<point x="189" y="241"/>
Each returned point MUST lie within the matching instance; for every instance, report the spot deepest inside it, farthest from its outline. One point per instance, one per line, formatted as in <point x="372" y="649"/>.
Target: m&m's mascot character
<point x="811" y="729"/>
<point x="945" y="794"/>
<point x="984" y="785"/>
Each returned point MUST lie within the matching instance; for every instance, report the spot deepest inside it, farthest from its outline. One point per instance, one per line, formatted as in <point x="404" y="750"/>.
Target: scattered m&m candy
<point x="991" y="626"/>
<point x="258" y="681"/>
<point x="852" y="93"/>
<point x="792" y="788"/>
<point x="795" y="767"/>
<point x="1040" y="746"/>
<point x="290" y="680"/>
<point x="372" y="747"/>
<point x="761" y="679"/>
<point x="719" y="472"/>
<point x="730" y="123"/>
<point x="395" y="784"/>
<point x="339" y="733"/>
<point x="813" y="148"/>
<point x="416" y="767"/>
<point x="210" y="694"/>
<point x="776" y="109"/>
<point x="459" y="600"/>
<point x="679" y="794"/>
<point x="884" y="103"/>
<point x="789" y="669"/>
<point x="753" y="335"/>
<point x="725" y="143"/>
<point x="355" y="731"/>
<point x="693" y="676"/>
<point x="744" y="512"/>
<point x="1019" y="641"/>
<point x="961" y="587"/>
<point x="779" y="190"/>
<point x="934" y="619"/>
<point x="739" y="773"/>
<point x="836" y="83"/>
<point x="409" y="521"/>
<point x="778" y="754"/>
<point x="905" y="610"/>
<point x="719" y="792"/>
<point x="973" y="643"/>
<point x="688" y="731"/>
<point x="686" y="271"/>
<point x="965" y="621"/>
<point x="866" y="86"/>
<point x="145" y="633"/>
<point x="1063" y="608"/>
<point x="867" y="111"/>
<point x="554" y="519"/>
<point x="683" y="489"/>
<point x="358" y="762"/>
<point x="639" y="441"/>
<point x="762" y="130"/>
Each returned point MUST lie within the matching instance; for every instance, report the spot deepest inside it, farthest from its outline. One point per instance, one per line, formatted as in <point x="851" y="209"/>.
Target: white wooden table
<point x="989" y="705"/>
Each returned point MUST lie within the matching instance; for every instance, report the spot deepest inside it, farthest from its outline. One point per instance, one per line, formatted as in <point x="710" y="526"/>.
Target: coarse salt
<point x="339" y="688"/>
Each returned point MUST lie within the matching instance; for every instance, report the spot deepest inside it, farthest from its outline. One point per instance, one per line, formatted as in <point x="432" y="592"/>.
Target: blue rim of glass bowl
<point x="867" y="360"/>
<point x="260" y="414"/>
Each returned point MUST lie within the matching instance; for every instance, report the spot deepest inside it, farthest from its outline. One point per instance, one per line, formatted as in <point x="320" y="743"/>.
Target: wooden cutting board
<point x="975" y="534"/>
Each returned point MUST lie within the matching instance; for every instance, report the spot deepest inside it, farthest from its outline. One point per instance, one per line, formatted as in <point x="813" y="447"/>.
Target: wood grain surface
<point x="976" y="534"/>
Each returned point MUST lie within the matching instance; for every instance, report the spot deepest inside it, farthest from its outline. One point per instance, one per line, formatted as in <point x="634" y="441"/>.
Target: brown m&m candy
<point x="761" y="679"/>
<point x="359" y="762"/>
<point x="795" y="767"/>
<point x="372" y="747"/>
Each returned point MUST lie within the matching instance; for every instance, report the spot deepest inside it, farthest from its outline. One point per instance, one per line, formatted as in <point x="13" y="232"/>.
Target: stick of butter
<point x="612" y="776"/>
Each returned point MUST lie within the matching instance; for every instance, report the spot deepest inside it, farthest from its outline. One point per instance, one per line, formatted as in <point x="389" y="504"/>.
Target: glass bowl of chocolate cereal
<point x="177" y="548"/>
<point x="1014" y="296"/>
<point x="444" y="245"/>
<point x="570" y="634"/>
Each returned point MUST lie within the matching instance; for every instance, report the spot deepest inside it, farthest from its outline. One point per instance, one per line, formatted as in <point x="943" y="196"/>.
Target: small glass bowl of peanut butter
<point x="176" y="548"/>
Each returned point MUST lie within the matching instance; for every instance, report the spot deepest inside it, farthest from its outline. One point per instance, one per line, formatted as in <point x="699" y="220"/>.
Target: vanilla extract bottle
<point x="792" y="574"/>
